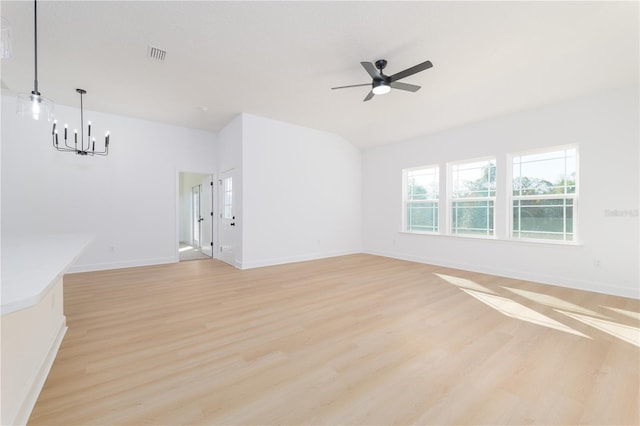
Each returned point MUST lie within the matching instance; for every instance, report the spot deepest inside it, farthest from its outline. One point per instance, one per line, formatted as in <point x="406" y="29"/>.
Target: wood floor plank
<point x="354" y="339"/>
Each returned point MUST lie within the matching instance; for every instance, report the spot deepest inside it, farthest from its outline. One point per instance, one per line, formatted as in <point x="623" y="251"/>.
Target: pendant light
<point x="5" y="39"/>
<point x="33" y="104"/>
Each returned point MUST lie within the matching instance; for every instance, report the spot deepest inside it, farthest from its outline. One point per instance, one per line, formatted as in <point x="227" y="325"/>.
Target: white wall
<point x="127" y="199"/>
<point x="302" y="193"/>
<point x="604" y="125"/>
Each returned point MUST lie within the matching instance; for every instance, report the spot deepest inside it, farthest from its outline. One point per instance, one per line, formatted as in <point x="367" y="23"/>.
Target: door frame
<point x="176" y="204"/>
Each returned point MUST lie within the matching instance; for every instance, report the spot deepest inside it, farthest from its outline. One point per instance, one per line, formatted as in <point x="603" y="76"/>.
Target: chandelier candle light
<point x="90" y="148"/>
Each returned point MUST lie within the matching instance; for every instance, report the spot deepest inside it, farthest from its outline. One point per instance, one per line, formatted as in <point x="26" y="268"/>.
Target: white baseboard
<point x="294" y="259"/>
<point x="34" y="390"/>
<point x="595" y="287"/>
<point x="120" y="265"/>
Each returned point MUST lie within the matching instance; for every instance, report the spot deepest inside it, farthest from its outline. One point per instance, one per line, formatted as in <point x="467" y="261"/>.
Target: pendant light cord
<point x="35" y="43"/>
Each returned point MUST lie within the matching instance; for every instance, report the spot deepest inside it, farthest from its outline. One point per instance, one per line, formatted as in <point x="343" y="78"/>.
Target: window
<point x="227" y="189"/>
<point x="544" y="195"/>
<point x="421" y="199"/>
<point x="473" y="194"/>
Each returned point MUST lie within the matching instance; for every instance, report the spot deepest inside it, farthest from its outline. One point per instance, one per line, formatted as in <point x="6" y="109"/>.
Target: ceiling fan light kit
<point x="380" y="88"/>
<point x="382" y="84"/>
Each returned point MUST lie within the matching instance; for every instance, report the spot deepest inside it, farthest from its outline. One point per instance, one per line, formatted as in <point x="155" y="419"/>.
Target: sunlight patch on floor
<point x="553" y="302"/>
<point x="624" y="332"/>
<point x="185" y="248"/>
<point x="630" y="314"/>
<point x="463" y="282"/>
<point x="514" y="309"/>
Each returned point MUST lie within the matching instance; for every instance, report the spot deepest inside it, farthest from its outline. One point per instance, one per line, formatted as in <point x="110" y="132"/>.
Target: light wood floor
<point x="349" y="340"/>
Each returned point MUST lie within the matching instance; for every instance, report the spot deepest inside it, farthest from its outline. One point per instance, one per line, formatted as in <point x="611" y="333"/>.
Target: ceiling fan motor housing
<point x="380" y="64"/>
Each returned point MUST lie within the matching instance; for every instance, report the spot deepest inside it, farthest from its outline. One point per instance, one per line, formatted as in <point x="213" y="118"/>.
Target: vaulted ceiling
<point x="280" y="59"/>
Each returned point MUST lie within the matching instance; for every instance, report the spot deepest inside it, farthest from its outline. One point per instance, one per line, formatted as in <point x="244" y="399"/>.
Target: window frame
<point x="405" y="201"/>
<point x="574" y="196"/>
<point x="451" y="199"/>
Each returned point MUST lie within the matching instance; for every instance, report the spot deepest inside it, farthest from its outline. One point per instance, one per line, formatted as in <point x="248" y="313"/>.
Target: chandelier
<point x="34" y="104"/>
<point x="80" y="149"/>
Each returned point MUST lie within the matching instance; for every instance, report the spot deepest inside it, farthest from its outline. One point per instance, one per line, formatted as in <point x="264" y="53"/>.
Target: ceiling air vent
<point x="156" y="54"/>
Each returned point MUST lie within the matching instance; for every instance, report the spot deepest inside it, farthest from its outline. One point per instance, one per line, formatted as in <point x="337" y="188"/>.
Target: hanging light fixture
<point x="90" y="148"/>
<point x="34" y="104"/>
<point x="5" y="39"/>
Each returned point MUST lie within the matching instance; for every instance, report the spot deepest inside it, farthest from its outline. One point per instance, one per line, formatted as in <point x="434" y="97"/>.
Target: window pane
<point x="472" y="217"/>
<point x="422" y="216"/>
<point x="546" y="173"/>
<point x="423" y="184"/>
<point x="227" y="187"/>
<point x="477" y="179"/>
<point x="545" y="219"/>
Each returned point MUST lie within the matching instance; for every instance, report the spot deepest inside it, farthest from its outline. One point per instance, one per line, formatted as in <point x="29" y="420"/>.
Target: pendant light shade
<point x="33" y="104"/>
<point x="36" y="106"/>
<point x="5" y="39"/>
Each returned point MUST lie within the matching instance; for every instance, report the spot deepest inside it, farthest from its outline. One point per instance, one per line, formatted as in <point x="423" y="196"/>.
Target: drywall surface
<point x="127" y="199"/>
<point x="603" y="125"/>
<point x="302" y="193"/>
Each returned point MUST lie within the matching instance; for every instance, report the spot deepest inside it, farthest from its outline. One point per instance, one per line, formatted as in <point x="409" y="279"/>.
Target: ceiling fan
<point x="382" y="84"/>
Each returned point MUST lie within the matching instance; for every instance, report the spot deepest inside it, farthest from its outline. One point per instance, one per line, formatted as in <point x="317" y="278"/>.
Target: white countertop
<point x="32" y="264"/>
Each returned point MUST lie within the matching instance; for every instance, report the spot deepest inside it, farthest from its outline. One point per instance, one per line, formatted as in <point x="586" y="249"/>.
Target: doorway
<point x="195" y="216"/>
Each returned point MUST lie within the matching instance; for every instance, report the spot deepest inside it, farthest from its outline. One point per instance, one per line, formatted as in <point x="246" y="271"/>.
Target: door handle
<point x="232" y="224"/>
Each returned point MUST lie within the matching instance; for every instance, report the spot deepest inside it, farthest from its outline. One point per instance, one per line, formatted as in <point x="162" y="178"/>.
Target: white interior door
<point x="196" y="219"/>
<point x="227" y="218"/>
<point x="206" y="214"/>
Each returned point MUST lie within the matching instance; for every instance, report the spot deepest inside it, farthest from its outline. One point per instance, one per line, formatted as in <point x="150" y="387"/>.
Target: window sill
<point x="496" y="239"/>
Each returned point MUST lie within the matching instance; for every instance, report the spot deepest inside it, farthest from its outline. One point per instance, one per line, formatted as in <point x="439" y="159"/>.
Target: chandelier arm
<point x="105" y="152"/>
<point x="68" y="146"/>
<point x="63" y="149"/>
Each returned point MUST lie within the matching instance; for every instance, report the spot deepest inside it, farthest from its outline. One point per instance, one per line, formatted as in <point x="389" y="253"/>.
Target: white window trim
<point x="574" y="196"/>
<point x="449" y="199"/>
<point x="405" y="201"/>
<point x="502" y="201"/>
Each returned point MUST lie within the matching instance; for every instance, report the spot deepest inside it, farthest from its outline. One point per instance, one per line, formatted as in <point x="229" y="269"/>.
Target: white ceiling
<point x="280" y="59"/>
